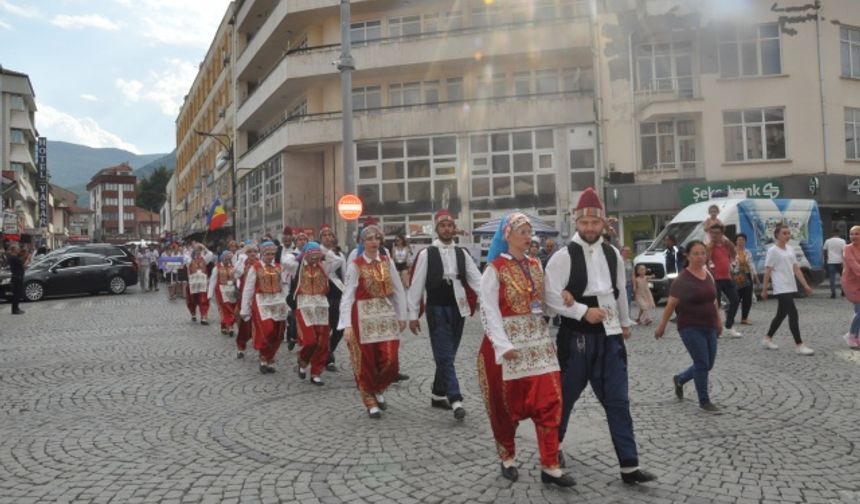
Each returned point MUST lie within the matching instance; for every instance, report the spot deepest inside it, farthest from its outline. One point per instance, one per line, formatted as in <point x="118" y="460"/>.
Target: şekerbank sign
<point x="763" y="189"/>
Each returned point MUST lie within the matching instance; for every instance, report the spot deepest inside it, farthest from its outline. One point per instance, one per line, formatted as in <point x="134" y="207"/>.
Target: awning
<point x="539" y="227"/>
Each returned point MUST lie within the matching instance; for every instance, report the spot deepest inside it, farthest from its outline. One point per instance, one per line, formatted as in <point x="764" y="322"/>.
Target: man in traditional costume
<point x="585" y="285"/>
<point x="328" y="242"/>
<point x="517" y="365"/>
<point x="372" y="315"/>
<point x="449" y="276"/>
<point x="264" y="303"/>
<point x="222" y="288"/>
<point x="243" y="335"/>
<point x="198" y="285"/>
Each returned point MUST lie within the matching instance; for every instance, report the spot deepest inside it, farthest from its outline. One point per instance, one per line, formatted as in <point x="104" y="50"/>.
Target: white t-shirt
<point x="834" y="247"/>
<point x="782" y="262"/>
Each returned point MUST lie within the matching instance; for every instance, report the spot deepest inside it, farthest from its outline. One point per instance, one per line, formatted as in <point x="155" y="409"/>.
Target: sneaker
<point x="331" y="367"/>
<point x="768" y="344"/>
<point x="240" y="355"/>
<point x="802" y="349"/>
<point x="374" y="413"/>
<point x="854" y="342"/>
<point x="710" y="407"/>
<point x="459" y="411"/>
<point x="303" y="373"/>
<point x="679" y="388"/>
<point x="380" y="401"/>
<point x="731" y="333"/>
<point x="316" y="380"/>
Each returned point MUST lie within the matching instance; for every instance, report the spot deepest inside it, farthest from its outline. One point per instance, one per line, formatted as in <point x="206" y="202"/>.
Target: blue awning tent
<point x="539" y="227"/>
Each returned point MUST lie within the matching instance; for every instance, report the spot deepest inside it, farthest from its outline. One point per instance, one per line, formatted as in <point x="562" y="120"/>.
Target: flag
<point x="217" y="216"/>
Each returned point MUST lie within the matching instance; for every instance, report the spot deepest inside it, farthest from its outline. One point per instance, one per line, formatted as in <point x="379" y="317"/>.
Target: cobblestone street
<point x="121" y="399"/>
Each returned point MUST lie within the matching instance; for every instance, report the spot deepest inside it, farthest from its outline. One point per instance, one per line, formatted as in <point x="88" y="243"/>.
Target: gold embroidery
<point x="225" y="274"/>
<point x="376" y="279"/>
<point x="269" y="279"/>
<point x="313" y="281"/>
<point x="518" y="288"/>
<point x="197" y="264"/>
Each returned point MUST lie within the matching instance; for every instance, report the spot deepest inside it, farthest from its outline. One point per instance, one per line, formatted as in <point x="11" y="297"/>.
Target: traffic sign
<point x="350" y="207"/>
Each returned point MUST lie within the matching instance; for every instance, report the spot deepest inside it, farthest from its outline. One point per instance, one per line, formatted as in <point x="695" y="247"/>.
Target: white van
<point x="756" y="218"/>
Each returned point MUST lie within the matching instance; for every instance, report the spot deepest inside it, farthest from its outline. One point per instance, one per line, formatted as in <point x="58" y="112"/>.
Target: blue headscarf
<point x="499" y="245"/>
<point x="224" y="254"/>
<point x="364" y="233"/>
<point x="310" y="248"/>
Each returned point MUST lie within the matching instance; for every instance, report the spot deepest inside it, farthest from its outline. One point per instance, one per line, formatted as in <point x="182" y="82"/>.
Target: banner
<point x="42" y="167"/>
<point x="754" y="189"/>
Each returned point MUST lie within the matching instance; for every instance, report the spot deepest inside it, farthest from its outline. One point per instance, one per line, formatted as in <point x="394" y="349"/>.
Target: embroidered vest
<point x="516" y="290"/>
<point x="312" y="281"/>
<point x="374" y="279"/>
<point x="197" y="264"/>
<point x="225" y="274"/>
<point x="268" y="278"/>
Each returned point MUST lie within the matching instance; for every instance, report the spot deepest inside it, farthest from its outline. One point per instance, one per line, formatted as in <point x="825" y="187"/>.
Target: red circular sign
<point x="350" y="207"/>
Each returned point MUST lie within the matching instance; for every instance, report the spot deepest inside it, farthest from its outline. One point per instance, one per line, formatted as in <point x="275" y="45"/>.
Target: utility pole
<point x="346" y="65"/>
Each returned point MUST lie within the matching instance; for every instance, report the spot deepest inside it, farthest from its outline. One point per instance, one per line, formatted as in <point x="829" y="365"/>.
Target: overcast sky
<point x="108" y="73"/>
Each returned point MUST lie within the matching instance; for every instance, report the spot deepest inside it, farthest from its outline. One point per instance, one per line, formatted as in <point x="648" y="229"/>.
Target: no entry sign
<point x="350" y="207"/>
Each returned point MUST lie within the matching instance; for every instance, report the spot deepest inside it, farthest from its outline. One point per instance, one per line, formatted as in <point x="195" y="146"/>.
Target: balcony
<point x="425" y="119"/>
<point x="20" y="119"/>
<point x="668" y="171"/>
<point x="301" y="68"/>
<point x="20" y="153"/>
<point x="673" y="95"/>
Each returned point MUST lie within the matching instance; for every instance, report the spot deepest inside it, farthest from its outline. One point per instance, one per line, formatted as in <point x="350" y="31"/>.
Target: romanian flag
<point x="217" y="216"/>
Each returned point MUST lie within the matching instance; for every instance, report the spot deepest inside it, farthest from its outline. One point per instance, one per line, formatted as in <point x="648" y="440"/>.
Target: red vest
<point x="374" y="279"/>
<point x="268" y="278"/>
<point x="516" y="291"/>
<point x="313" y="280"/>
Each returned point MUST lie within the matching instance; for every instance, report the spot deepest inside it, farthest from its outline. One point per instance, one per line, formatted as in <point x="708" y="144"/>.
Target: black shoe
<point x="331" y="367"/>
<point x="679" y="388"/>
<point x="382" y="405"/>
<point x="564" y="481"/>
<point x="204" y="322"/>
<point x="270" y="369"/>
<point x="302" y="374"/>
<point x="193" y="318"/>
<point x="440" y="403"/>
<point x="401" y="377"/>
<point x="376" y="415"/>
<point x="710" y="407"/>
<point x="316" y="380"/>
<point x="561" y="460"/>
<point x="230" y="333"/>
<point x="240" y="355"/>
<point x="510" y="473"/>
<point x="637" y="476"/>
<point x="460" y="413"/>
<point x="264" y="369"/>
<point x="18" y="312"/>
<point x="223" y="331"/>
<point x="833" y="296"/>
<point x="290" y="345"/>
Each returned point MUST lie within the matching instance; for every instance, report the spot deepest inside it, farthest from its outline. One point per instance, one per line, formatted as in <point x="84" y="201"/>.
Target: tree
<point x="150" y="192"/>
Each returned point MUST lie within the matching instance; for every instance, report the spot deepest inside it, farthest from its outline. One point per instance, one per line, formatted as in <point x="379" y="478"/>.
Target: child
<point x="642" y="293"/>
<point x="713" y="212"/>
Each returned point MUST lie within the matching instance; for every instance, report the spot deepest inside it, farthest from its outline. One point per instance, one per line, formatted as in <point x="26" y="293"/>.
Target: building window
<point x="365" y="31"/>
<point x="111" y="202"/>
<point x="546" y="81"/>
<point x="17" y="136"/>
<point x="128" y="202"/>
<point x="668" y="145"/>
<point x="486" y="15"/>
<point x="509" y="164"/>
<point x="754" y="134"/>
<point x="431" y="91"/>
<point x="750" y="51"/>
<point x="577" y="79"/>
<point x="368" y="97"/>
<point x="415" y="169"/>
<point x="129" y="216"/>
<point x="18" y="168"/>
<point x="522" y="83"/>
<point x="17" y="102"/>
<point x="404" y="26"/>
<point x="299" y="110"/>
<point x="666" y="67"/>
<point x="544" y="10"/>
<point x="453" y="20"/>
<point x="852" y="133"/>
<point x="273" y="181"/>
<point x="850" y="45"/>
<point x="408" y="93"/>
<point x="454" y="88"/>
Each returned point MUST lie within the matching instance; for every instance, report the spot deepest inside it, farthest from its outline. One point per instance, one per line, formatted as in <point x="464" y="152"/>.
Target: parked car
<point x="77" y="273"/>
<point x="118" y="252"/>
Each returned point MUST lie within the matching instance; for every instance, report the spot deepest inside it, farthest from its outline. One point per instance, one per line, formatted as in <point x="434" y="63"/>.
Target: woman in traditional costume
<point x="264" y="303"/>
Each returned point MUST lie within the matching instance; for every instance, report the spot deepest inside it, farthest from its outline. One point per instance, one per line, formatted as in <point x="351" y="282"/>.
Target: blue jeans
<point x="701" y="343"/>
<point x="855" y="324"/>
<point x="832" y="271"/>
<point x="446" y="330"/>
<point x="728" y="287"/>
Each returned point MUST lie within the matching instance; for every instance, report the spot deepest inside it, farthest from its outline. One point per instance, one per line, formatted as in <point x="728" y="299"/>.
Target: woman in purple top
<point x="694" y="296"/>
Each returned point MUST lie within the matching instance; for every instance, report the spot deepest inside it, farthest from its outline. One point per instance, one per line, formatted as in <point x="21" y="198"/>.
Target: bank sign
<point x="761" y="189"/>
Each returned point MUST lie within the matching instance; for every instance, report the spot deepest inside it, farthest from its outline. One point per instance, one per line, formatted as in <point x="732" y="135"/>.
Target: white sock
<point x="379" y="398"/>
<point x="456" y="404"/>
<point x="629" y="470"/>
<point x="508" y="463"/>
<point x="555" y="473"/>
<point x="438" y="398"/>
<point x="373" y="410"/>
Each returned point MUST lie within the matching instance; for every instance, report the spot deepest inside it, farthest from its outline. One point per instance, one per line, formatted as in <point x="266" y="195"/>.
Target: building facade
<point x="112" y="200"/>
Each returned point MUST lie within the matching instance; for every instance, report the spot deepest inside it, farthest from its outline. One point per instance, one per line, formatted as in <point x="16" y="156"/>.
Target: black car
<point x="117" y="252"/>
<point x="77" y="273"/>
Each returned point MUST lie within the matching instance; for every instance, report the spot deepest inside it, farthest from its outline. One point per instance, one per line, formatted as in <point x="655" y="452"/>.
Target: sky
<point x="109" y="73"/>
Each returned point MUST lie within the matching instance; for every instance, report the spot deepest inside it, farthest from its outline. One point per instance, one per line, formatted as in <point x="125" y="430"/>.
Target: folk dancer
<point x="243" y="335"/>
<point x="372" y="315"/>
<point x="222" y="289"/>
<point x="264" y="303"/>
<point x="312" y="273"/>
<point x="517" y="365"/>
<point x="328" y="242"/>
<point x="198" y="283"/>
<point x="585" y="285"/>
<point x="449" y="276"/>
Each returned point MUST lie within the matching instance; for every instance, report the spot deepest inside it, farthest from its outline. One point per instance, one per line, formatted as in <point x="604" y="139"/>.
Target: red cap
<point x="589" y="205"/>
<point x="370" y="221"/>
<point x="325" y="227"/>
<point x="288" y="231"/>
<point x="442" y="215"/>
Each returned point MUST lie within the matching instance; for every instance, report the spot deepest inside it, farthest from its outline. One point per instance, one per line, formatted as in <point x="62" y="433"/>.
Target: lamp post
<point x="229" y="146"/>
<point x="345" y="64"/>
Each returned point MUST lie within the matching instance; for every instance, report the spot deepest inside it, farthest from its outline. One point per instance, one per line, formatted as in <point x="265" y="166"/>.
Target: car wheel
<point x="117" y="285"/>
<point x="34" y="291"/>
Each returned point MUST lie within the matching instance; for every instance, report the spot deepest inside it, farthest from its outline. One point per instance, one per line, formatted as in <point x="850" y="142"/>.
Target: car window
<point x="95" y="261"/>
<point x="71" y="262"/>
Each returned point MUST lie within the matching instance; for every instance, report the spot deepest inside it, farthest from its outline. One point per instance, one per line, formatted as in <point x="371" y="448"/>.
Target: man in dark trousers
<point x="16" y="267"/>
<point x="585" y="284"/>
<point x="328" y="241"/>
<point x="447" y="273"/>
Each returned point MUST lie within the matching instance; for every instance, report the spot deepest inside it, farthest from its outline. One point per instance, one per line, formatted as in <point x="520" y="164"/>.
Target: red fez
<point x="589" y="205"/>
<point x="288" y="231"/>
<point x="442" y="215"/>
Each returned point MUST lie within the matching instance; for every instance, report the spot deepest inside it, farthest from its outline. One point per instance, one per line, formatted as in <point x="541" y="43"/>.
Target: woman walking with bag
<point x="851" y="284"/>
<point x="694" y="296"/>
<point x="745" y="276"/>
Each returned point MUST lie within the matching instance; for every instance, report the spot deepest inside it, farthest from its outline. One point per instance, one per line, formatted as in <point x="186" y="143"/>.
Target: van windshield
<point x="682" y="231"/>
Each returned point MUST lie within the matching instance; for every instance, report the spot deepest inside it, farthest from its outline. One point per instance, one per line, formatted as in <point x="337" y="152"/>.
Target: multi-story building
<point x="18" y="137"/>
<point x="479" y="107"/>
<point x="703" y="94"/>
<point x="112" y="199"/>
<point x="204" y="127"/>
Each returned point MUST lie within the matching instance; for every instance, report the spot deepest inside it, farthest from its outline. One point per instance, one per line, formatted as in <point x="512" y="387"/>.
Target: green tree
<point x="151" y="190"/>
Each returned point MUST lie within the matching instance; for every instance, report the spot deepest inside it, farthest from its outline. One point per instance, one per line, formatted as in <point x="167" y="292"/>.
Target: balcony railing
<point x="670" y="88"/>
<point x="684" y="169"/>
<point x="336" y="114"/>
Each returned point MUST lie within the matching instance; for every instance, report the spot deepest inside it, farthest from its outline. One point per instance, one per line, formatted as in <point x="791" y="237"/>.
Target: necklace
<point x="527" y="289"/>
<point x="377" y="271"/>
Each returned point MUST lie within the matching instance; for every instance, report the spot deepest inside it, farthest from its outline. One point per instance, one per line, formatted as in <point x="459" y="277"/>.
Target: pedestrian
<point x="711" y="221"/>
<point x="693" y="296"/>
<point x="745" y="277"/>
<point x="833" y="257"/>
<point x="287" y="261"/>
<point x="328" y="242"/>
<point x="402" y="255"/>
<point x="534" y="248"/>
<point x="674" y="255"/>
<point x="244" y="332"/>
<point x="170" y="261"/>
<point x="142" y="268"/>
<point x="517" y="365"/>
<point x="721" y="253"/>
<point x="312" y="275"/>
<point x="593" y="329"/>
<point x="781" y="265"/>
<point x="644" y="298"/>
<point x="182" y="271"/>
<point x="152" y="259"/>
<point x="16" y="268"/>
<point x="851" y="284"/>
<point x="627" y="256"/>
<point x="451" y="280"/>
<point x="264" y="303"/>
<point x="222" y="290"/>
<point x="198" y="285"/>
<point x="546" y="252"/>
<point x="372" y="315"/>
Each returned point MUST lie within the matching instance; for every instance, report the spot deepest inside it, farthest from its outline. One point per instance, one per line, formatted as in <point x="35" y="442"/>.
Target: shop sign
<point x="854" y="186"/>
<point x="42" y="165"/>
<point x="761" y="189"/>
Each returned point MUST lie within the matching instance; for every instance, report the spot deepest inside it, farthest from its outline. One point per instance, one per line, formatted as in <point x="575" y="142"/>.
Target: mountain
<point x="169" y="161"/>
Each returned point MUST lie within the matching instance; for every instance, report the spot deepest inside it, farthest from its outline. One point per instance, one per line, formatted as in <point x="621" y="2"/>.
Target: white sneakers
<point x="769" y="344"/>
<point x="731" y="333"/>
<point x="802" y="349"/>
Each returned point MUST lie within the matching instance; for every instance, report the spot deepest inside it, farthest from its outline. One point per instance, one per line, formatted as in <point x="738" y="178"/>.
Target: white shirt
<point x="398" y="298"/>
<point x="782" y="264"/>
<point x="248" y="290"/>
<point x="834" y="247"/>
<point x="599" y="282"/>
<point x="491" y="314"/>
<point x="448" y="255"/>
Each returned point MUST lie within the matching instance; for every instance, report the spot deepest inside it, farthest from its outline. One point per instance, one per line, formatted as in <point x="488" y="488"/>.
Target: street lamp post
<point x="218" y="138"/>
<point x="346" y="65"/>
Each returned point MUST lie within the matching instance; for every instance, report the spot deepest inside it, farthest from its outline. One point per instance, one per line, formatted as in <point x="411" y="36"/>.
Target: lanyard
<point x="527" y="273"/>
